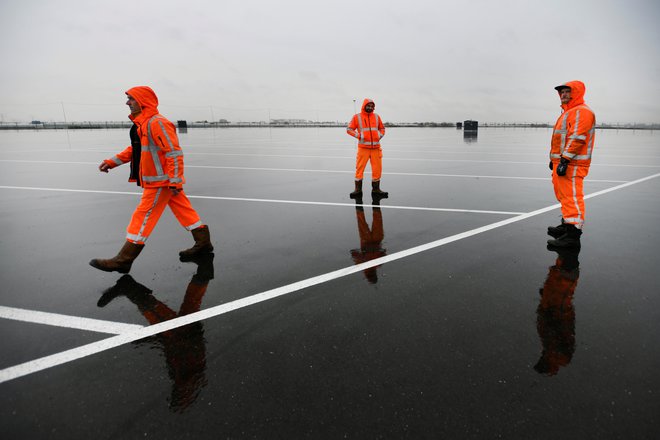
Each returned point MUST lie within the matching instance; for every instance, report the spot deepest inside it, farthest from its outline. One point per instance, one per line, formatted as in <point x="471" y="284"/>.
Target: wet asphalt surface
<point x="491" y="336"/>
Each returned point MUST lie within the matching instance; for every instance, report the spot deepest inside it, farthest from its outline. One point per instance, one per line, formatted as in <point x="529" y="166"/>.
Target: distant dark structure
<point x="459" y="125"/>
<point x="470" y="125"/>
<point x="182" y="124"/>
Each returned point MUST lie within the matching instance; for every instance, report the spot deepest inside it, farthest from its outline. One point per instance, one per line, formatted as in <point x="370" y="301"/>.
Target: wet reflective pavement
<point x="487" y="336"/>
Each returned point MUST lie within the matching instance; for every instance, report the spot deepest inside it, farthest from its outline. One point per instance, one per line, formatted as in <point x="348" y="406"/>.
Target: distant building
<point x="470" y="125"/>
<point x="290" y="121"/>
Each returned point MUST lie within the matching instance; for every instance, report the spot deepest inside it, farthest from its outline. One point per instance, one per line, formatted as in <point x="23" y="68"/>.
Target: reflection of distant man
<point x="570" y="157"/>
<point x="368" y="128"/>
<point x="370" y="239"/>
<point x="555" y="316"/>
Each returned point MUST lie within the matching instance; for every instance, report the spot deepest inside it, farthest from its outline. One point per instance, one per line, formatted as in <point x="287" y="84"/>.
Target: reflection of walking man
<point x="370" y="240"/>
<point x="184" y="347"/>
<point x="555" y="316"/>
<point x="368" y="128"/>
<point x="157" y="165"/>
<point x="570" y="157"/>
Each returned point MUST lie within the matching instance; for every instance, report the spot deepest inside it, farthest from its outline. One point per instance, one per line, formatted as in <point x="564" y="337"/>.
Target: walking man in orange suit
<point x="156" y="161"/>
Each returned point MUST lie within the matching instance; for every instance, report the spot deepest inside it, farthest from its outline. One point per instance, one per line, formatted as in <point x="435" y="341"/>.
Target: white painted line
<point x="292" y="202"/>
<point x="75" y="322"/>
<point x="97" y="347"/>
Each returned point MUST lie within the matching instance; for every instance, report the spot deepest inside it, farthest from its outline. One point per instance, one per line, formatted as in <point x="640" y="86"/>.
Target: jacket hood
<point x="146" y="98"/>
<point x="365" y="102"/>
<point x="577" y="94"/>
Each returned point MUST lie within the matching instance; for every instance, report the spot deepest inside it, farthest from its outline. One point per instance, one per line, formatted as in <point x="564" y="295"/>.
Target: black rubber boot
<point x="570" y="238"/>
<point x="376" y="192"/>
<point x="202" y="246"/>
<point x="357" y="193"/>
<point x="557" y="231"/>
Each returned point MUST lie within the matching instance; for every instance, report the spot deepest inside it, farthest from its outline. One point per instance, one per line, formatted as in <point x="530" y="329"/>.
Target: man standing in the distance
<point x="368" y="128"/>
<point x="570" y="157"/>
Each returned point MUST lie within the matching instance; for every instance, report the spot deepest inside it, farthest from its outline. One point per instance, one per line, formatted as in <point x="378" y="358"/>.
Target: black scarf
<point x="137" y="152"/>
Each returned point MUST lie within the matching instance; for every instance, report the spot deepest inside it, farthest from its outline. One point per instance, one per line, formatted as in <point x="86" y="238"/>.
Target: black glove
<point x="550" y="165"/>
<point x="561" y="168"/>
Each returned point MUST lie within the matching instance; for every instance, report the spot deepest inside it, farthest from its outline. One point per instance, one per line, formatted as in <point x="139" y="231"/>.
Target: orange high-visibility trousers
<point x="569" y="191"/>
<point x="151" y="207"/>
<point x="364" y="155"/>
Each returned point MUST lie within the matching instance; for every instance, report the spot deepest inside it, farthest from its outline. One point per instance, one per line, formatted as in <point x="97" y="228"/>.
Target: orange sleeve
<point x="352" y="127"/>
<point x="121" y="158"/>
<point x="579" y="126"/>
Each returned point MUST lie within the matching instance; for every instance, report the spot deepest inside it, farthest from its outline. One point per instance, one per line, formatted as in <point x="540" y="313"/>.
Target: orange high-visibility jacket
<point x="161" y="158"/>
<point x="368" y="128"/>
<point x="574" y="132"/>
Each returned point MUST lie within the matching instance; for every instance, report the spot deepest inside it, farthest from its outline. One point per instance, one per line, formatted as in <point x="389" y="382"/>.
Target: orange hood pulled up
<point x="146" y="98"/>
<point x="577" y="94"/>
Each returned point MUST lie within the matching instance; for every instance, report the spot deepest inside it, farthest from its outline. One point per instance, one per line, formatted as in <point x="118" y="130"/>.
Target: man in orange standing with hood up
<point x="368" y="128"/>
<point x="157" y="165"/>
<point x="570" y="157"/>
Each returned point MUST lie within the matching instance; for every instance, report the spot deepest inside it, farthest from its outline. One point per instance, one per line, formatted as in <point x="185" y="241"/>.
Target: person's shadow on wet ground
<point x="555" y="315"/>
<point x="184" y="347"/>
<point x="371" y="239"/>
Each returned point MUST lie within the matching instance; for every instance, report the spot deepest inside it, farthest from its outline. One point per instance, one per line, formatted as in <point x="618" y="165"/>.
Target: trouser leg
<point x="147" y="213"/>
<point x="184" y="212"/>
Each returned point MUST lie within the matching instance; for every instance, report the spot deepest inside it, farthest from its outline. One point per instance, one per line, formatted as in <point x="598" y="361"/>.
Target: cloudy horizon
<point x="420" y="61"/>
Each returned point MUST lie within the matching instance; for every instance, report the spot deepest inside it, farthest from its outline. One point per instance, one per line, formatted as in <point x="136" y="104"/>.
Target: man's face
<point x="565" y="95"/>
<point x="133" y="105"/>
<point x="369" y="107"/>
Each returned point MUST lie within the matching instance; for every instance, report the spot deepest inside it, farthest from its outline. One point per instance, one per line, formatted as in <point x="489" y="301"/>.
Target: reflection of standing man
<point x="370" y="240"/>
<point x="368" y="128"/>
<point x="184" y="347"/>
<point x="570" y="157"/>
<point x="555" y="316"/>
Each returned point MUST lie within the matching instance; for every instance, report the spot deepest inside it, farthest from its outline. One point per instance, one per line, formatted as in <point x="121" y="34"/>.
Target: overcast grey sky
<point x="246" y="60"/>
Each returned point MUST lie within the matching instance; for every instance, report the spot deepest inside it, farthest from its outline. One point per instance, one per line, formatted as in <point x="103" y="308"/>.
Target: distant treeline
<point x="38" y="125"/>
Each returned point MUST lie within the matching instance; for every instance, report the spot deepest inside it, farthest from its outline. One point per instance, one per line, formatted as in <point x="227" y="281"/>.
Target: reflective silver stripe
<point x="555" y="156"/>
<point x="361" y="137"/>
<point x="580" y="216"/>
<point x="577" y="123"/>
<point x="175" y="180"/>
<point x="116" y="160"/>
<point x="160" y="178"/>
<point x="371" y="129"/>
<point x="579" y="137"/>
<point x="135" y="237"/>
<point x="171" y="145"/>
<point x="563" y="133"/>
<point x="569" y="155"/>
<point x="175" y="153"/>
<point x="154" y="152"/>
<point x="151" y="148"/>
<point x="194" y="226"/>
